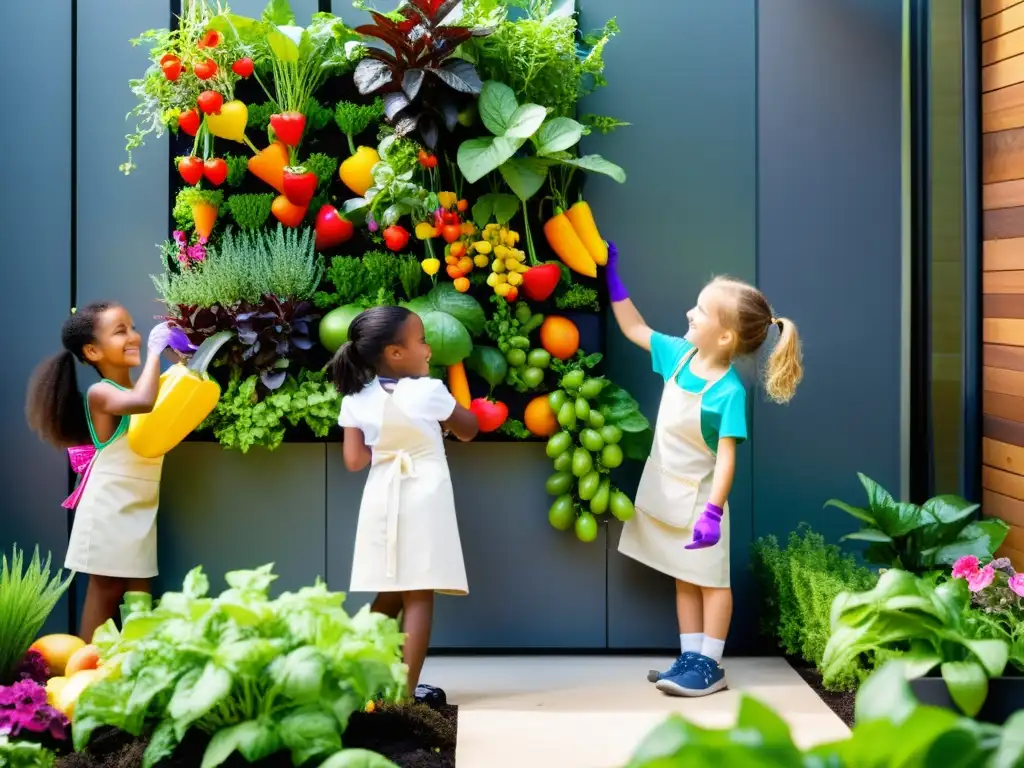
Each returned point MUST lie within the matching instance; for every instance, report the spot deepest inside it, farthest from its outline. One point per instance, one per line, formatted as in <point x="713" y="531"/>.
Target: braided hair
<point x="54" y="406"/>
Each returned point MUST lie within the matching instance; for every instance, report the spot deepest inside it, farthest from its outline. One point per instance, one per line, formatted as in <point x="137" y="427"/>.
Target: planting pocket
<point x="667" y="497"/>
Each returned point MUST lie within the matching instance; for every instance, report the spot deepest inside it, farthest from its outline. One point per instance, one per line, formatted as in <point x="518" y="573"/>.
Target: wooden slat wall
<point x="1002" y="80"/>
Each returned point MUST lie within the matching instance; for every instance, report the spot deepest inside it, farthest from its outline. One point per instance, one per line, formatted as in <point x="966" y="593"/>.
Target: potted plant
<point x="954" y="660"/>
<point x="996" y="611"/>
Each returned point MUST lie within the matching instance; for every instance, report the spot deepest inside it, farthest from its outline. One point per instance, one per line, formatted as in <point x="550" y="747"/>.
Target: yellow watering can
<point x="187" y="395"/>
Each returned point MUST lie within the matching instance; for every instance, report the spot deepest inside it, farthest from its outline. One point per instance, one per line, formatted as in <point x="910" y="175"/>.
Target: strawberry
<point x="191" y="169"/>
<point x="299" y="185"/>
<point x="189" y="121"/>
<point x="288" y="127"/>
<point x="210" y="102"/>
<point x="331" y="228"/>
<point x="215" y="170"/>
<point x="243" y="67"/>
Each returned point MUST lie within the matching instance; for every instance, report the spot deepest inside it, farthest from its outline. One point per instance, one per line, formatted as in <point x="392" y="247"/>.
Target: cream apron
<point x="114" y="533"/>
<point x="407" y="537"/>
<point x="674" y="488"/>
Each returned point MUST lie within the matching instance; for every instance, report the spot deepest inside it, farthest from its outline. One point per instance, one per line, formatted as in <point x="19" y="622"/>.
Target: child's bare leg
<point x="689" y="608"/>
<point x="387" y="603"/>
<point x="417" y="620"/>
<point x="102" y="598"/>
<point x="717" y="617"/>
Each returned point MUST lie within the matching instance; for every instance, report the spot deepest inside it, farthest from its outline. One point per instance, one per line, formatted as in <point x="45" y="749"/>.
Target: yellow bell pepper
<point x="230" y="123"/>
<point x="187" y="395"/>
<point x="357" y="172"/>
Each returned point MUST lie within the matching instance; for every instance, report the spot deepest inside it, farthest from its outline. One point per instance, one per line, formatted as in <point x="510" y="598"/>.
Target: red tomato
<point x="205" y="69"/>
<point x="210" y="102"/>
<point x="243" y="67"/>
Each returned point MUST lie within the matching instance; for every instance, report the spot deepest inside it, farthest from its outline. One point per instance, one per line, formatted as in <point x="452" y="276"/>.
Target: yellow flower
<point x="515" y="279"/>
<point x="447" y="199"/>
<point x="482" y="246"/>
<point x="481" y="261"/>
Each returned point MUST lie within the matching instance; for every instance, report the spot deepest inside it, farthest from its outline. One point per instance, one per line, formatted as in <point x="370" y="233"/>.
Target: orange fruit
<point x="560" y="337"/>
<point x="87" y="657"/>
<point x="539" y="418"/>
<point x="57" y="650"/>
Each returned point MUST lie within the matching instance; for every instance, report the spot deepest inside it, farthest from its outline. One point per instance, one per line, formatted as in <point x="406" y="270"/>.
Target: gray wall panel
<point x="529" y="586"/>
<point x="829" y="79"/>
<point x="686" y="213"/>
<point x="120" y="219"/>
<point x="227" y="511"/>
<point x="36" y="221"/>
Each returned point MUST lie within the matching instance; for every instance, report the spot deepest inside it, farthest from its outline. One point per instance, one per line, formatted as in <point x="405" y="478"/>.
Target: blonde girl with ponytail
<point x="681" y="525"/>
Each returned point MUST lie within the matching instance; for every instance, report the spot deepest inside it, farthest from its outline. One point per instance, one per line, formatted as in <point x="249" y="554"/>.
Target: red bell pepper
<point x="299" y="185"/>
<point x="288" y="127"/>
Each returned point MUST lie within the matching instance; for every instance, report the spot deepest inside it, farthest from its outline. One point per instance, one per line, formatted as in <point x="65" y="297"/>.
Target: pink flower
<point x="1017" y="584"/>
<point x="965" y="567"/>
<point x="179" y="238"/>
<point x="978" y="580"/>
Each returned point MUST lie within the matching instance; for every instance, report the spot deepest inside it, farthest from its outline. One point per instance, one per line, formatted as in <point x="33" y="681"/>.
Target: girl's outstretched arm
<point x="630" y="321"/>
<point x="141" y="397"/>
<point x="462" y="423"/>
<point x="354" y="450"/>
<point x="124" y="402"/>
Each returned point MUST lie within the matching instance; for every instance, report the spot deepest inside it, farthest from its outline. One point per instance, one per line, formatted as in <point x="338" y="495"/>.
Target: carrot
<point x="268" y="165"/>
<point x="459" y="384"/>
<point x="567" y="244"/>
<point x="582" y="219"/>
<point x="287" y="212"/>
<point x="204" y="215"/>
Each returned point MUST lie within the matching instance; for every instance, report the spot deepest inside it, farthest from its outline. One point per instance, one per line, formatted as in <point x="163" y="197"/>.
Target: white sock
<point x="693" y="642"/>
<point x="713" y="648"/>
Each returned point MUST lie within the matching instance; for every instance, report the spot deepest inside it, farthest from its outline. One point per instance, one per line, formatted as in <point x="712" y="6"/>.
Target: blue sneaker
<point x="702" y="677"/>
<point x="681" y="664"/>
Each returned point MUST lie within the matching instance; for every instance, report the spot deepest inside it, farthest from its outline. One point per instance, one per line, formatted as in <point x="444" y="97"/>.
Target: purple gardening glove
<point x="616" y="290"/>
<point x="708" y="530"/>
<point x="163" y="336"/>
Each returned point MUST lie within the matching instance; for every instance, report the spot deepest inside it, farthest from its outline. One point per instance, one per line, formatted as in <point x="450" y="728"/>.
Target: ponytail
<point x="54" y="405"/>
<point x="785" y="366"/>
<point x="349" y="372"/>
<point x="355" y="364"/>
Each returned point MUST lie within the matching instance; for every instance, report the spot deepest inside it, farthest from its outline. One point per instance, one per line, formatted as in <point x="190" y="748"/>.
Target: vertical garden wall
<point x="764" y="142"/>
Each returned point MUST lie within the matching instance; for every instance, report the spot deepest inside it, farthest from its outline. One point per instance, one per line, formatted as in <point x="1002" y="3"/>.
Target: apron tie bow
<point x="402" y="467"/>
<point x="81" y="458"/>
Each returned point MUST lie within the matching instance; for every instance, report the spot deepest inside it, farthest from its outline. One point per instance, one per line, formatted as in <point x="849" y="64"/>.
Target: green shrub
<point x="798" y="586"/>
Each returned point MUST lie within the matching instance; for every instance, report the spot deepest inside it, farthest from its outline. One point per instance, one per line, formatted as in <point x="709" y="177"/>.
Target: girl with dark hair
<point x="113" y="538"/>
<point x="407" y="540"/>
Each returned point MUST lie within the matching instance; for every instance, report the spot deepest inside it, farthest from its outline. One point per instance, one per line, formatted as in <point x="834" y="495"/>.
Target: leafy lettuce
<point x="258" y="675"/>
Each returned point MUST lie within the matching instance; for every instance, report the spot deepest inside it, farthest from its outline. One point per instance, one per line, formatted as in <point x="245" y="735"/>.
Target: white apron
<point x="114" y="533"/>
<point x="407" y="537"/>
<point x="673" y="490"/>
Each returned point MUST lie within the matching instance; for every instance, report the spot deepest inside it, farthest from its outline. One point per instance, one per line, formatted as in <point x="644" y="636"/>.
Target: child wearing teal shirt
<point x="723" y="411"/>
<point x="682" y="524"/>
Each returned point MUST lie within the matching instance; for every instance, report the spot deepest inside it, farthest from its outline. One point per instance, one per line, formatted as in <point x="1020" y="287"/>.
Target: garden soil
<point x="840" y="702"/>
<point x="412" y="737"/>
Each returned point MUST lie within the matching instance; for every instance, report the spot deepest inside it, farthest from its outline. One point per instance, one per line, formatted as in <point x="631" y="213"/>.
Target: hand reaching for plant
<point x="166" y="335"/>
<point x="616" y="289"/>
<point x="708" y="530"/>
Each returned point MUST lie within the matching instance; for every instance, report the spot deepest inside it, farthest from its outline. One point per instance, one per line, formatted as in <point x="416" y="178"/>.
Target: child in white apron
<point x="407" y="540"/>
<point x="681" y="526"/>
<point x="113" y="538"/>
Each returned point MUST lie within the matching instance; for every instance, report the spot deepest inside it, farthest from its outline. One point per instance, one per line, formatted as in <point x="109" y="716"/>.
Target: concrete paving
<point x="591" y="712"/>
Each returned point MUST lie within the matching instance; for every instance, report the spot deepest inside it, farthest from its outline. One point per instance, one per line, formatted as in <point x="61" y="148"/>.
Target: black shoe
<point x="430" y="695"/>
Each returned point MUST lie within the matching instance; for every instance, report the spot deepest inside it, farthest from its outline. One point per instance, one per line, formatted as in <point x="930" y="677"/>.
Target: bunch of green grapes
<point x="584" y="452"/>
<point x="511" y="332"/>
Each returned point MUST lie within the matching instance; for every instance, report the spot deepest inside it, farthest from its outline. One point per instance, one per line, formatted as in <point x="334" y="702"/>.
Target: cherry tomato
<point x="205" y="69"/>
